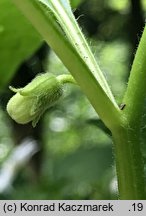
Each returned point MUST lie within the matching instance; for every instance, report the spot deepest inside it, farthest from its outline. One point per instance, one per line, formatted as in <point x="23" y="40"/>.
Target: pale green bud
<point x="30" y="102"/>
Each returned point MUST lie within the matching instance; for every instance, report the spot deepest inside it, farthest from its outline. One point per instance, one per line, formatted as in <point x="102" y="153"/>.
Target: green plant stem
<point x="130" y="167"/>
<point x="136" y="91"/>
<point x="66" y="78"/>
<point x="129" y="164"/>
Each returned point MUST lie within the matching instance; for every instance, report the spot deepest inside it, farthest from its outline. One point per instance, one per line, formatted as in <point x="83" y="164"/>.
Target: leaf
<point x="18" y="40"/>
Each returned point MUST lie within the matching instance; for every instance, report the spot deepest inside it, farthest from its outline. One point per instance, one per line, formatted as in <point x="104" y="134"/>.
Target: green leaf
<point x="18" y="40"/>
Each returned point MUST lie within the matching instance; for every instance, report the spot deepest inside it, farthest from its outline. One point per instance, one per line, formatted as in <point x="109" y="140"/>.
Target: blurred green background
<point x="69" y="154"/>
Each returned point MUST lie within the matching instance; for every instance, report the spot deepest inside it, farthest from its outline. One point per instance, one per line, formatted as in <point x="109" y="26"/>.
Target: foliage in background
<point x="18" y="41"/>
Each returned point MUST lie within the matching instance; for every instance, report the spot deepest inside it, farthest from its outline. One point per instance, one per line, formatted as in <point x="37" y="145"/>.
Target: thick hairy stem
<point x="130" y="169"/>
<point x="129" y="164"/>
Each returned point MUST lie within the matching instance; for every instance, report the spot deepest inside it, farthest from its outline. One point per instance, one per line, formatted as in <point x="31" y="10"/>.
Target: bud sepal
<point x="30" y="102"/>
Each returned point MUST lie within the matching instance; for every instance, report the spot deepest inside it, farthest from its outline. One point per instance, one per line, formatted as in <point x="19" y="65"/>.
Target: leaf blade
<point x="18" y="40"/>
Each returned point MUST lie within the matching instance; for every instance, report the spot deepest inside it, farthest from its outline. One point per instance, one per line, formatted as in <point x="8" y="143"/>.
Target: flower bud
<point x="30" y="102"/>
